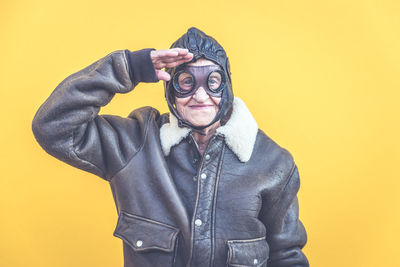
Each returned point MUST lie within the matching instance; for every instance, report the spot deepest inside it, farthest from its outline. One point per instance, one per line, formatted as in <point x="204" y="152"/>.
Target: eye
<point x="214" y="80"/>
<point x="188" y="81"/>
<point x="185" y="81"/>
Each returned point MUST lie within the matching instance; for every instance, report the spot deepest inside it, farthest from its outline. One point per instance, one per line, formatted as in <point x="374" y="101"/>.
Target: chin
<point x="201" y="121"/>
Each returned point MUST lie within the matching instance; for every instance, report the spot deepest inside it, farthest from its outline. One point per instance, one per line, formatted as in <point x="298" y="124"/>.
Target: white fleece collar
<point x="240" y="132"/>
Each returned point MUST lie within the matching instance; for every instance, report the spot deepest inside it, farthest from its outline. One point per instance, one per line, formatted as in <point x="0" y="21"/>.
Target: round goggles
<point x="188" y="80"/>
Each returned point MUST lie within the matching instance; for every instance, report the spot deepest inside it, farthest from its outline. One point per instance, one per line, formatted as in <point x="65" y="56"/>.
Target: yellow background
<point x="320" y="77"/>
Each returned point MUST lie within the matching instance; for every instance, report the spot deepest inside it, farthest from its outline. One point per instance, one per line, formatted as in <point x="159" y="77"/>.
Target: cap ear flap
<point x="228" y="69"/>
<point x="171" y="97"/>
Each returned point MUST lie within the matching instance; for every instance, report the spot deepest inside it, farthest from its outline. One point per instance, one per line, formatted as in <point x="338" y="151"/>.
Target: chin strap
<point x="184" y="124"/>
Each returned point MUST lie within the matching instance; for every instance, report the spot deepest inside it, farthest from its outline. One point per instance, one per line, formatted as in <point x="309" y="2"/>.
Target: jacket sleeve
<point x="68" y="126"/>
<point x="286" y="235"/>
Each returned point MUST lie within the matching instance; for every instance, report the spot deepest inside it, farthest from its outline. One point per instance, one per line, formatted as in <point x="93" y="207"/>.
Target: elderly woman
<point x="200" y="186"/>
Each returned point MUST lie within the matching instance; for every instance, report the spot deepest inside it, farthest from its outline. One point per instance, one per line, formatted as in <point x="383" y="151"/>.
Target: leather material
<point x="139" y="233"/>
<point x="253" y="252"/>
<point x="247" y="211"/>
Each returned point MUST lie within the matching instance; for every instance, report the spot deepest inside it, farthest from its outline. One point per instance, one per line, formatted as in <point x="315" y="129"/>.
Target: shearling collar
<point x="240" y="132"/>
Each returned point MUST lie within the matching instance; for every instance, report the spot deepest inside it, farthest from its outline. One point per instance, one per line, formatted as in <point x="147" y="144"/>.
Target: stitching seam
<point x="72" y="139"/>
<point x="215" y="204"/>
<point x="140" y="148"/>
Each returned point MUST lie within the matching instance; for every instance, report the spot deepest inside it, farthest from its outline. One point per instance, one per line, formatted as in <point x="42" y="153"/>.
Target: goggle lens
<point x="214" y="81"/>
<point x="185" y="81"/>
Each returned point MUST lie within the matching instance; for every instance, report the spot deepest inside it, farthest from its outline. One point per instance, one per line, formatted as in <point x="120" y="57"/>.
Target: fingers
<point x="171" y="63"/>
<point x="170" y="57"/>
<point x="171" y="52"/>
<point x="166" y="53"/>
<point x="169" y="60"/>
<point x="176" y="63"/>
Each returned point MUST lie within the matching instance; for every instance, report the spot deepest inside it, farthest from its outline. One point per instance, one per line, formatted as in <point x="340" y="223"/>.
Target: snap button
<point x="203" y="176"/>
<point x="255" y="261"/>
<point x="139" y="243"/>
<point x="207" y="157"/>
<point x="198" y="222"/>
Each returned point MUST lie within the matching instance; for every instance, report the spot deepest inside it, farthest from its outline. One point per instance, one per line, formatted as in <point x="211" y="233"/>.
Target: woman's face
<point x="200" y="108"/>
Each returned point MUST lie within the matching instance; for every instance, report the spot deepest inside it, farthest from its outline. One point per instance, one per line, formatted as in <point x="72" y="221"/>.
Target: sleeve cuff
<point x="141" y="68"/>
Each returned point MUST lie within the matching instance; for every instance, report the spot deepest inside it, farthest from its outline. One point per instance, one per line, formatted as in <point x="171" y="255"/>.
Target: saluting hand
<point x="169" y="58"/>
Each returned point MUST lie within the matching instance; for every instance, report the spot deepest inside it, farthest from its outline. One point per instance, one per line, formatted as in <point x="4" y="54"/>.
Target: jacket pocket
<point x="143" y="234"/>
<point x="249" y="252"/>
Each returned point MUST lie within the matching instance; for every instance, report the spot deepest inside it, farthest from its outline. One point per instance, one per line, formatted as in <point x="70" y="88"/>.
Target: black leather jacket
<point x="235" y="205"/>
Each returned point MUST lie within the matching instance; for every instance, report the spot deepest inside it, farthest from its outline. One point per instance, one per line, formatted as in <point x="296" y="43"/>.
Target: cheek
<point x="216" y="101"/>
<point x="181" y="104"/>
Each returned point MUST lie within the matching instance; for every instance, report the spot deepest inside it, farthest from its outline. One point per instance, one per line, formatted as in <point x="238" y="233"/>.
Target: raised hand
<point x="169" y="58"/>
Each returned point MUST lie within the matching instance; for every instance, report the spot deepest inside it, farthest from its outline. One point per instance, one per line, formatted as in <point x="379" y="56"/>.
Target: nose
<point x="200" y="95"/>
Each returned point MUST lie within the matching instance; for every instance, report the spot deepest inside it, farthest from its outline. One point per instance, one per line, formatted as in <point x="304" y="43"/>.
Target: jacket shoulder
<point x="272" y="146"/>
<point x="144" y="114"/>
<point x="273" y="155"/>
<point x="135" y="126"/>
<point x="149" y="117"/>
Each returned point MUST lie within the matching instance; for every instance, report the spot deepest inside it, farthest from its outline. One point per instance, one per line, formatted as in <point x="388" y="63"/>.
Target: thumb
<point x="163" y="75"/>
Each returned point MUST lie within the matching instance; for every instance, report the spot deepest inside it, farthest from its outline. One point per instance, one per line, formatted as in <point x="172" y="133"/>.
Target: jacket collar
<point x="240" y="132"/>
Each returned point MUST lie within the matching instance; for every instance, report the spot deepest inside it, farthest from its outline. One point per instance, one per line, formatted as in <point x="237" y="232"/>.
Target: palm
<point x="169" y="58"/>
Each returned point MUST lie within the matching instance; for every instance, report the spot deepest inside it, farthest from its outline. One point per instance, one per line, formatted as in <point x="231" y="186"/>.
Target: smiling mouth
<point x="200" y="106"/>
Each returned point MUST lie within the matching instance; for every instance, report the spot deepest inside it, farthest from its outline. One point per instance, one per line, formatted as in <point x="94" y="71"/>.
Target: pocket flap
<point x="250" y="252"/>
<point x="145" y="234"/>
